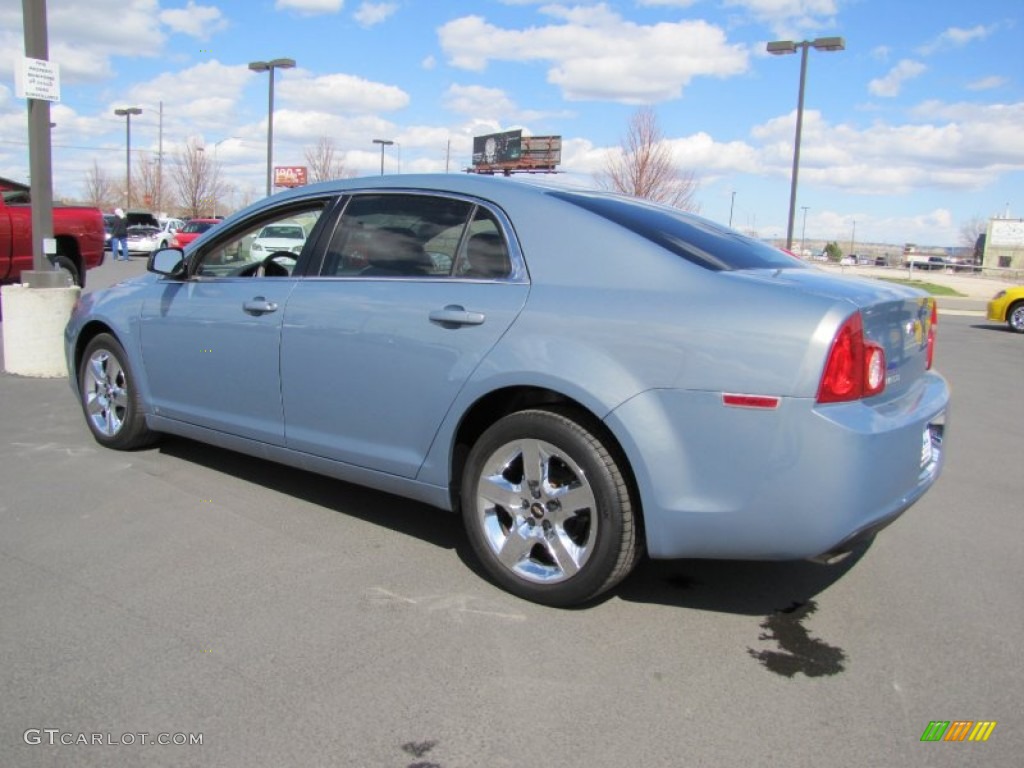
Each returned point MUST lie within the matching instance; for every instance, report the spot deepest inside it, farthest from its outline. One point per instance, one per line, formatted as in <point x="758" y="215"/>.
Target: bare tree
<point x="100" y="190"/>
<point x="971" y="229"/>
<point x="149" y="185"/>
<point x="195" y="180"/>
<point x="322" y="163"/>
<point x="642" y="166"/>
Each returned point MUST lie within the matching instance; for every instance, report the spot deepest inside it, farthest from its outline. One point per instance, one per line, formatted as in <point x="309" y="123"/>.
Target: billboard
<point x="497" y="148"/>
<point x="511" y="152"/>
<point x="290" y="176"/>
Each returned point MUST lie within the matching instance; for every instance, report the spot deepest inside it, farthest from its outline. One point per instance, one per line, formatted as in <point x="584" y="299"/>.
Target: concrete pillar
<point x="34" y="320"/>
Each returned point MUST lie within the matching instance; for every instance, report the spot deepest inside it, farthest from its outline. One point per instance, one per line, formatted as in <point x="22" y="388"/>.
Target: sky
<point x="911" y="133"/>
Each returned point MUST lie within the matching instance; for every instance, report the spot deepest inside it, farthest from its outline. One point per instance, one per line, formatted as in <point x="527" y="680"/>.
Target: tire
<point x="110" y="400"/>
<point x="69" y="267"/>
<point x="1015" y="317"/>
<point x="561" y="533"/>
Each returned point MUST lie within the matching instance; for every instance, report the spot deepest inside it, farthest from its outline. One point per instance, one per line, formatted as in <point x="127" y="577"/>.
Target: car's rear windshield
<point x="697" y="240"/>
<point x="197" y="226"/>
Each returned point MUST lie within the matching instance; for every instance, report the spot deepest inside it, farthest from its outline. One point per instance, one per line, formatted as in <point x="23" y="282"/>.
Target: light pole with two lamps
<point x="782" y="47"/>
<point x="383" y="143"/>
<point x="127" y="113"/>
<point x="269" y="67"/>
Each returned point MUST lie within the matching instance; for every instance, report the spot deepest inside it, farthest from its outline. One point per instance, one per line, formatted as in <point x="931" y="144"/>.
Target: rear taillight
<point x="855" y="367"/>
<point x="930" y="354"/>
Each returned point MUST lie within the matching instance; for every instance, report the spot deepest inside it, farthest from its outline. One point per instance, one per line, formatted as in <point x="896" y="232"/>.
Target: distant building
<point x="1004" y="244"/>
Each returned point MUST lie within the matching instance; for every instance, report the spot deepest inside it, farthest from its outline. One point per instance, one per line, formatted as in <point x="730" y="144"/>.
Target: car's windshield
<point x="697" y="240"/>
<point x="197" y="226"/>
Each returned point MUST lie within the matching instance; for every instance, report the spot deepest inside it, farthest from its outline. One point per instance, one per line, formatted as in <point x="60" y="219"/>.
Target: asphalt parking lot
<point x="291" y="620"/>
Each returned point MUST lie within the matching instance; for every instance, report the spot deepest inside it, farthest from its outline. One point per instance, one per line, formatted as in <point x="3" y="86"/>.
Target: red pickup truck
<point x="77" y="230"/>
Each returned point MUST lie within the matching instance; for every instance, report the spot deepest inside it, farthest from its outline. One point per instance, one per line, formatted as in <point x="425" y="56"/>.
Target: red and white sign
<point x="290" y="176"/>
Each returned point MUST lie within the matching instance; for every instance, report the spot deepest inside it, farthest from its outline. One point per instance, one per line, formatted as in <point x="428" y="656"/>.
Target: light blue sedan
<point x="582" y="376"/>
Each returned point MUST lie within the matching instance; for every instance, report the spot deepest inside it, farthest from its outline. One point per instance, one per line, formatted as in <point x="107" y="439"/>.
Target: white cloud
<point x="596" y="54"/>
<point x="345" y="93"/>
<point x="200" y="21"/>
<point x="890" y="85"/>
<point x="987" y="83"/>
<point x="370" y="14"/>
<point x="788" y="18"/>
<point x="956" y="37"/>
<point x="82" y="38"/>
<point x="955" y="147"/>
<point x="476" y="100"/>
<point x="309" y="7"/>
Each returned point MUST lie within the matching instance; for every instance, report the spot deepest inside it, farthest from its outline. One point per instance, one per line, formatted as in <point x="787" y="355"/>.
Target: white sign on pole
<point x="36" y="79"/>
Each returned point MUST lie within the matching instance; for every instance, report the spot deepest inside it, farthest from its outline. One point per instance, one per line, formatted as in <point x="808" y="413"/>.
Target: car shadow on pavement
<point x="394" y="512"/>
<point x="722" y="586"/>
<point x="992" y="327"/>
<point x="739" y="587"/>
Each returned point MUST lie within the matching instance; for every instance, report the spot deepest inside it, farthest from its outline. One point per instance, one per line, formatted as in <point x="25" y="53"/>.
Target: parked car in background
<point x="192" y="229"/>
<point x="1007" y="306"/>
<point x="580" y="375"/>
<point x="921" y="261"/>
<point x="278" y="237"/>
<point x="169" y="227"/>
<point x="146" y="239"/>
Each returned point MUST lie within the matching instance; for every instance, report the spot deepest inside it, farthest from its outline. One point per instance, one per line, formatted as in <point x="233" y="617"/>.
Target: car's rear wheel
<point x="547" y="508"/>
<point x="1015" y="317"/>
<point x="109" y="396"/>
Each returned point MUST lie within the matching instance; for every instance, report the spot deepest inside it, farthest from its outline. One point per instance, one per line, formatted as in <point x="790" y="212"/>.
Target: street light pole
<point x="782" y="47"/>
<point x="269" y="67"/>
<point x="803" y="233"/>
<point x="127" y="113"/>
<point x="383" y="143"/>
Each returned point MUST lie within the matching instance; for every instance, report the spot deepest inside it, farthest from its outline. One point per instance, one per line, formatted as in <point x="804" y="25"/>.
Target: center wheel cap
<point x="537" y="510"/>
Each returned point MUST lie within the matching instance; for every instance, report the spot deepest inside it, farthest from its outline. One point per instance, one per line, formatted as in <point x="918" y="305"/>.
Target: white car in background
<point x="167" y="229"/>
<point x="278" y="237"/>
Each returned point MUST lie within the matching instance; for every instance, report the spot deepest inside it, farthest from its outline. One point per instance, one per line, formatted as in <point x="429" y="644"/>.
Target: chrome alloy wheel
<point x="105" y="393"/>
<point x="537" y="511"/>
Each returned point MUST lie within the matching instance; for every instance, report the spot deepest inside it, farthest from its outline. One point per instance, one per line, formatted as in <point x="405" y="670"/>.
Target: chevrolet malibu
<point x="583" y="377"/>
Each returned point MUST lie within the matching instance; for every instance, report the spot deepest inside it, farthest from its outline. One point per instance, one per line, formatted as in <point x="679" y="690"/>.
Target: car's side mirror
<point x="167" y="261"/>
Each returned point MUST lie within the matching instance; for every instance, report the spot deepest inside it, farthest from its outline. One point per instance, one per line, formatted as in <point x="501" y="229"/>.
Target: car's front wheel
<point x="547" y="508"/>
<point x="109" y="396"/>
<point x="1015" y="317"/>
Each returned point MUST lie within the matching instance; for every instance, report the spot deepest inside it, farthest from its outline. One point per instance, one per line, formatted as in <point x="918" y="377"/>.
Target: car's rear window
<point x="697" y="240"/>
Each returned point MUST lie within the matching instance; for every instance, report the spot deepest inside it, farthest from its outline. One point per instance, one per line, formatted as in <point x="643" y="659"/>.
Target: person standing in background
<point x="119" y="235"/>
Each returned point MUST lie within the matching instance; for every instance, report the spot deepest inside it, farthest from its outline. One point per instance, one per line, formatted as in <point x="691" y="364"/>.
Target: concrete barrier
<point x="33" y="323"/>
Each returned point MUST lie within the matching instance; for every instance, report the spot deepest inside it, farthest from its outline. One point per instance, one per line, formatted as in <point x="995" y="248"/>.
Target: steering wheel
<point x="269" y="267"/>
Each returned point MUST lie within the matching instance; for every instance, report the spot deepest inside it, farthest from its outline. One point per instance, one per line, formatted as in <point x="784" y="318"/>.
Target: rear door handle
<point x="259" y="306"/>
<point x="454" y="315"/>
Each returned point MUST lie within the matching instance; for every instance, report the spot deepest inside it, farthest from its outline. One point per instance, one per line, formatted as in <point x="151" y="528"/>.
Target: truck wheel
<point x="69" y="268"/>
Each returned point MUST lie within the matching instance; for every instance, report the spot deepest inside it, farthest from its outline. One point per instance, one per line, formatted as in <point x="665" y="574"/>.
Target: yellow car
<point x="1008" y="307"/>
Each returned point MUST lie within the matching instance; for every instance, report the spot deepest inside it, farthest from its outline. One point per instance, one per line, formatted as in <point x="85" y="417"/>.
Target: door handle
<point x="258" y="305"/>
<point x="453" y="315"/>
